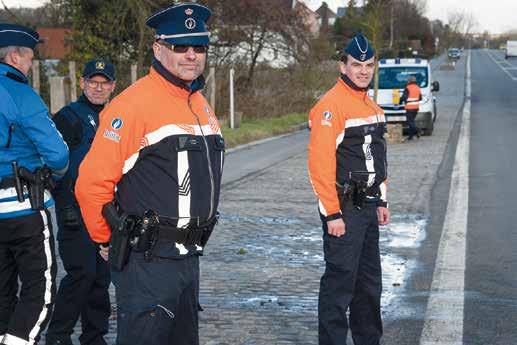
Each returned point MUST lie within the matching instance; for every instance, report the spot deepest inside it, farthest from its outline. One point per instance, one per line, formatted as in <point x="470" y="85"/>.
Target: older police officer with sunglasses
<point x="149" y="186"/>
<point x="84" y="289"/>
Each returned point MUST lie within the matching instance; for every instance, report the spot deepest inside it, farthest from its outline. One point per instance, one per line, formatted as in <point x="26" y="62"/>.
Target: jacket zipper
<point x="385" y="145"/>
<point x="209" y="161"/>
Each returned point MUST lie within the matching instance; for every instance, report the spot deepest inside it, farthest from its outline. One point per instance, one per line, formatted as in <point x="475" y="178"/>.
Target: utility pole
<point x="391" y="26"/>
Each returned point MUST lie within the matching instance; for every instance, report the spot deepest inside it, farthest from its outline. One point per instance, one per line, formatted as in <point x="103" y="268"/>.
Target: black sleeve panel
<point x="69" y="126"/>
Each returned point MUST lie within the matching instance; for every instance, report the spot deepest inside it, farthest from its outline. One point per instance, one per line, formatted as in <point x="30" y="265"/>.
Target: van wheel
<point x="428" y="130"/>
<point x="434" y="111"/>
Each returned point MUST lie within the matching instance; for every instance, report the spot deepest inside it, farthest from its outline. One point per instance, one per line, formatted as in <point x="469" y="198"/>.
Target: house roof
<point x="325" y="12"/>
<point x="54" y="44"/>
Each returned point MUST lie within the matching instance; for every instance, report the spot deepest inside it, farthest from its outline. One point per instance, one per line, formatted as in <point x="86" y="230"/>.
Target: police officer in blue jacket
<point x="84" y="290"/>
<point x="30" y="147"/>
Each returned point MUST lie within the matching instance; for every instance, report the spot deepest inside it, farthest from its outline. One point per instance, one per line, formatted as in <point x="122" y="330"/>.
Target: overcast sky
<point x="496" y="16"/>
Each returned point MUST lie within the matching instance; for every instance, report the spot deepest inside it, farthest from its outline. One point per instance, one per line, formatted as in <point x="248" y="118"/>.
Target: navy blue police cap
<point x="359" y="48"/>
<point x="99" y="67"/>
<point x="182" y="24"/>
<point x="17" y="35"/>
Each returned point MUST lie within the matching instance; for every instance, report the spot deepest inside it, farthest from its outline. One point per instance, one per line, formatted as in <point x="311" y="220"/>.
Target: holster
<point x="352" y="193"/>
<point x="122" y="227"/>
<point x="37" y="182"/>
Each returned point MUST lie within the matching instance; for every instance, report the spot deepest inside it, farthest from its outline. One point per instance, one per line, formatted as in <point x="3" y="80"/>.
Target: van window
<point x="396" y="77"/>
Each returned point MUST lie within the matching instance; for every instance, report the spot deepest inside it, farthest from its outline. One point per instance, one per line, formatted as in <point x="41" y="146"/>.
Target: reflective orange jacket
<point x="159" y="147"/>
<point x="412" y="95"/>
<point x="347" y="135"/>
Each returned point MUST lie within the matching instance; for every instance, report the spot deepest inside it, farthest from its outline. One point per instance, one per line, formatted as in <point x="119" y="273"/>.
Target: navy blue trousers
<point x="157" y="301"/>
<point x="352" y="281"/>
<point x="26" y="255"/>
<point x="83" y="291"/>
<point x="410" y="120"/>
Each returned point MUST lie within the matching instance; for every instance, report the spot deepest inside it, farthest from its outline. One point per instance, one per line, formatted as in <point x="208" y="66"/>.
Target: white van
<point x="393" y="76"/>
<point x="511" y="49"/>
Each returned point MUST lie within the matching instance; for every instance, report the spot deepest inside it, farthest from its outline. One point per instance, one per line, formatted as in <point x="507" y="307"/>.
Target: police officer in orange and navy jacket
<point x="158" y="154"/>
<point x="348" y="171"/>
<point x="411" y="99"/>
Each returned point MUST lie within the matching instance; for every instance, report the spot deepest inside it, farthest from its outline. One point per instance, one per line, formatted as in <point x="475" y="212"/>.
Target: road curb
<point x="297" y="129"/>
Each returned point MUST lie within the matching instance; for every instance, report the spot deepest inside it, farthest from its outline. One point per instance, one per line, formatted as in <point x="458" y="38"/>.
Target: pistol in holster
<point x="122" y="227"/>
<point x="37" y="182"/>
<point x="352" y="193"/>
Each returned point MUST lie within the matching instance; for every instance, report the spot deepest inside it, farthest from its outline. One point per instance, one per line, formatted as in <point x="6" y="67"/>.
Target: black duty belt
<point x="195" y="236"/>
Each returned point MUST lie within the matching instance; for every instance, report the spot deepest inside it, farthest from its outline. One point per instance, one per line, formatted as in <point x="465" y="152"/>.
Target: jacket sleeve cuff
<point x="333" y="216"/>
<point x="382" y="203"/>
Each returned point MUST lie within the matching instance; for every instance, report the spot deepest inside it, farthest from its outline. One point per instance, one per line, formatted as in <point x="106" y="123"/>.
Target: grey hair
<point x="4" y="51"/>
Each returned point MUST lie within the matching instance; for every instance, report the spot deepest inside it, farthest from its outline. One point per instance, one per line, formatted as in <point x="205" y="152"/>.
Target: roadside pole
<point x="232" y="109"/>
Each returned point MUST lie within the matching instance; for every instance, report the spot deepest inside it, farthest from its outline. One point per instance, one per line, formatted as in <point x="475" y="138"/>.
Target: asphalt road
<point x="491" y="266"/>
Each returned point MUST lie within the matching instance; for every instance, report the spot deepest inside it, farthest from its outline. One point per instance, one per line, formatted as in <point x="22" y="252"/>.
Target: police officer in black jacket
<point x="84" y="290"/>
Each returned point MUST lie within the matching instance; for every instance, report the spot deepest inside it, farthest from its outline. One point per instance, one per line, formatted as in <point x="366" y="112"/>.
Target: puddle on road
<point x="399" y="244"/>
<point x="259" y="220"/>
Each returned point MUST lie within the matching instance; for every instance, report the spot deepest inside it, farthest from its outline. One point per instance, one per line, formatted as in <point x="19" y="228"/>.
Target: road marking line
<point x="504" y="69"/>
<point x="443" y="323"/>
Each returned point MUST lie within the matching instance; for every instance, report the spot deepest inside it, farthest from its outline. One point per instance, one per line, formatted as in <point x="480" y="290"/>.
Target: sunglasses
<point x="182" y="49"/>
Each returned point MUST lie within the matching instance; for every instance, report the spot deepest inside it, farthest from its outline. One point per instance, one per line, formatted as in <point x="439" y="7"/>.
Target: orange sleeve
<point x="117" y="139"/>
<point x="327" y="127"/>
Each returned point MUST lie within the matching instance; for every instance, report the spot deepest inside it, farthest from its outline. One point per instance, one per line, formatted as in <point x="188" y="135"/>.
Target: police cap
<point x="182" y="24"/>
<point x="359" y="48"/>
<point x="17" y="35"/>
<point x="99" y="67"/>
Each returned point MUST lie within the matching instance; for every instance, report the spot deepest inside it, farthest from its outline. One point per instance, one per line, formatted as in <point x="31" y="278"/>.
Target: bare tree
<point x="246" y="29"/>
<point x="374" y="24"/>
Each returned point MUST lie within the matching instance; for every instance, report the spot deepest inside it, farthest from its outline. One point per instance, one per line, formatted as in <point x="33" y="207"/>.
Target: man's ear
<point x="342" y="67"/>
<point x="156" y="50"/>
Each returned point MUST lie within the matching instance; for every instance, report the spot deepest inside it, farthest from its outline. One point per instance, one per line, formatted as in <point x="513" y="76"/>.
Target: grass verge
<point x="255" y="129"/>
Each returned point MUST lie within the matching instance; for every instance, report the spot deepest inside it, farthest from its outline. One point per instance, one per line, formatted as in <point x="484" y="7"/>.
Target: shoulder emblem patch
<point x="117" y="123"/>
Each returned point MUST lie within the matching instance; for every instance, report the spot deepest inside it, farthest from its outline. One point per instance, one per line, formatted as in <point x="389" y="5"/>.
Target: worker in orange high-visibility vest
<point x="411" y="99"/>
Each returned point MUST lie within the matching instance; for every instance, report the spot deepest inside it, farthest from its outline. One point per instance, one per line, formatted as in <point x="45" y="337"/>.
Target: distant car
<point x="454" y="54"/>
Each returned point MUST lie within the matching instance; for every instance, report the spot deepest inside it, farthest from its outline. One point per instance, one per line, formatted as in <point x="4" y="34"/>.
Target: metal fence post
<point x="232" y="108"/>
<point x="35" y="76"/>
<point x="73" y="81"/>
<point x="59" y="93"/>
<point x="134" y="73"/>
<point x="212" y="87"/>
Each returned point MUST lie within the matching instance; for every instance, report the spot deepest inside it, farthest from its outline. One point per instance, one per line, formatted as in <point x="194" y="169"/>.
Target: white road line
<point x="505" y="69"/>
<point x="444" y="315"/>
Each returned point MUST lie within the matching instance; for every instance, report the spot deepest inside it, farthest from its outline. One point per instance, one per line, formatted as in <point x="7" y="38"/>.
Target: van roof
<point x="407" y="62"/>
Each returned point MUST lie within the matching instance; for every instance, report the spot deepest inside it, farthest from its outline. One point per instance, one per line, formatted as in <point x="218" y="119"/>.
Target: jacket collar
<point x="13" y="73"/>
<point x="196" y="85"/>
<point x="349" y="85"/>
<point x="96" y="107"/>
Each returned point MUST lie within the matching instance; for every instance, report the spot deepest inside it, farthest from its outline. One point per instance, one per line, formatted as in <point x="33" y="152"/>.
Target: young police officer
<point x="84" y="290"/>
<point x="30" y="148"/>
<point x="159" y="154"/>
<point x="347" y="165"/>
